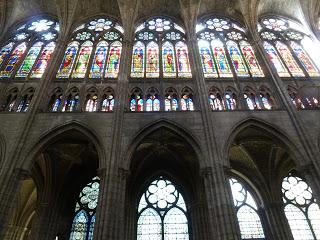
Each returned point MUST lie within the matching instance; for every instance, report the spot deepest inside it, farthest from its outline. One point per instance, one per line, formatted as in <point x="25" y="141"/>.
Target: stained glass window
<point x="82" y="60"/>
<point x="171" y="100"/>
<point x="231" y="100"/>
<point x="138" y="59"/>
<point x="153" y="35"/>
<point x="72" y="101"/>
<point x="100" y="40"/>
<point x="247" y="211"/>
<point x="92" y="103"/>
<point x="162" y="213"/>
<point x="301" y="208"/>
<point x="222" y="45"/>
<point x="215" y="100"/>
<point x="85" y="212"/>
<point x="11" y="101"/>
<point x="25" y="101"/>
<point x="136" y="101"/>
<point x="283" y="44"/>
<point x="152" y="62"/>
<point x="30" y="46"/>
<point x="55" y="101"/>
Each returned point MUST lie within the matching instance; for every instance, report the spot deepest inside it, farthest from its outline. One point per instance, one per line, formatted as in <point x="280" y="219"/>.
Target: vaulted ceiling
<point x="130" y="11"/>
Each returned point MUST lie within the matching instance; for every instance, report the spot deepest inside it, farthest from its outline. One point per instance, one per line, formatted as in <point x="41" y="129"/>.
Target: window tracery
<point x="11" y="100"/>
<point x="94" y="51"/>
<point x="55" y="101"/>
<point x="29" y="49"/>
<point x="91" y="104"/>
<point x="85" y="211"/>
<point x="162" y="212"/>
<point x="160" y="50"/>
<point x="186" y="101"/>
<point x="223" y="44"/>
<point x="283" y="45"/>
<point x="25" y="101"/>
<point x="171" y="100"/>
<point x="107" y="102"/>
<point x="247" y="211"/>
<point x="301" y="208"/>
<point x="71" y="104"/>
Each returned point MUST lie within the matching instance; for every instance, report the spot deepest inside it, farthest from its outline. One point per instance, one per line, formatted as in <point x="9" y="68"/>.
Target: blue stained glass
<point x="99" y="60"/>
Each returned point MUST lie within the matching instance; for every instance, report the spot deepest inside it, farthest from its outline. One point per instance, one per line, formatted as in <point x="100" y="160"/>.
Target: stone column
<point x="277" y="223"/>
<point x="10" y="185"/>
<point x="222" y="219"/>
<point x="312" y="177"/>
<point x="199" y="220"/>
<point x="110" y="224"/>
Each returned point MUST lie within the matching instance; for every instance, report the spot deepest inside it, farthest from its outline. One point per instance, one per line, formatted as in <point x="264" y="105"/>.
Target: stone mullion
<point x="278" y="224"/>
<point x="222" y="217"/>
<point x="284" y="96"/>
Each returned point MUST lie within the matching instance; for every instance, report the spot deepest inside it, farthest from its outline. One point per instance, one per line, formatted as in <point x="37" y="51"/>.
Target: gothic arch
<point x="48" y="137"/>
<point x="166" y="124"/>
<point x="265" y="126"/>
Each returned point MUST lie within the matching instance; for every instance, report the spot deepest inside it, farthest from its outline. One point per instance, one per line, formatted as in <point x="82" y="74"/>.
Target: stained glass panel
<point x="29" y="60"/>
<point x="208" y="67"/>
<point x="113" y="63"/>
<point x="99" y="60"/>
<point x="79" y="226"/>
<point x="5" y="51"/>
<point x="14" y="58"/>
<point x="221" y="59"/>
<point x="275" y="60"/>
<point x="138" y="58"/>
<point x="305" y="59"/>
<point x="183" y="64"/>
<point x="68" y="60"/>
<point x="175" y="225"/>
<point x="237" y="60"/>
<point x="251" y="60"/>
<point x="289" y="60"/>
<point x="152" y="62"/>
<point x="42" y="63"/>
<point x="149" y="225"/>
<point x="168" y="60"/>
<point x="82" y="60"/>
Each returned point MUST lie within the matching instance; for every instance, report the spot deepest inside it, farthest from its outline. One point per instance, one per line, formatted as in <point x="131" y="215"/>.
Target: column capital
<point x="123" y="173"/>
<point x="101" y="172"/>
<point x="206" y="172"/>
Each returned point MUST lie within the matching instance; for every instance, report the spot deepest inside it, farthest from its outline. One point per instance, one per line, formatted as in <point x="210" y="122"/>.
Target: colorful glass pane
<point x="114" y="60"/>
<point x="237" y="60"/>
<point x="183" y="64"/>
<point x="99" y="60"/>
<point x="275" y="60"/>
<point x="79" y="226"/>
<point x="14" y="58"/>
<point x="149" y="104"/>
<point x="82" y="60"/>
<point x="42" y="63"/>
<point x="168" y="60"/>
<point x="29" y="60"/>
<point x="140" y="105"/>
<point x="137" y="69"/>
<point x="305" y="59"/>
<point x="208" y="67"/>
<point x="152" y="64"/>
<point x="289" y="60"/>
<point x="68" y="60"/>
<point x="133" y="103"/>
<point x="156" y="105"/>
<point x="221" y="59"/>
<point x="251" y="60"/>
<point x="5" y="51"/>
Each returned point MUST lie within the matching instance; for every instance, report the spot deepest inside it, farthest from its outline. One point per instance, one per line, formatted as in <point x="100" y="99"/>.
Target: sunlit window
<point x="162" y="213"/>
<point x="247" y="211"/>
<point x="85" y="212"/>
<point x="301" y="208"/>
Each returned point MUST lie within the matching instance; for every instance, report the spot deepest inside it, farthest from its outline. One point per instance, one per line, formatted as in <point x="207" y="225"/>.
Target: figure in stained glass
<point x="289" y="60"/>
<point x="207" y="62"/>
<point x="251" y="60"/>
<point x="168" y="60"/>
<point x="29" y="60"/>
<point x="99" y="60"/>
<point x="13" y="60"/>
<point x="275" y="60"/>
<point x="42" y="63"/>
<point x="305" y="59"/>
<point x="138" y="60"/>
<point x="5" y="51"/>
<point x="183" y="60"/>
<point x="114" y="60"/>
<point x="83" y="60"/>
<point x="152" y="68"/>
<point x="68" y="61"/>
<point x="221" y="59"/>
<point x="237" y="60"/>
